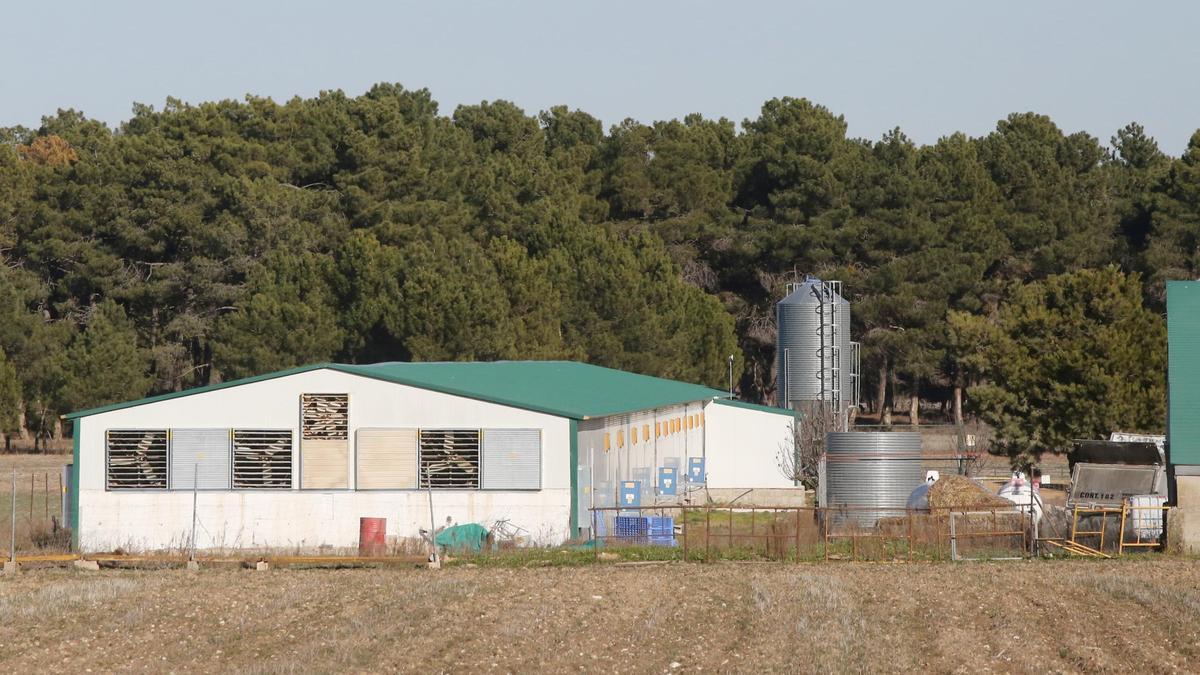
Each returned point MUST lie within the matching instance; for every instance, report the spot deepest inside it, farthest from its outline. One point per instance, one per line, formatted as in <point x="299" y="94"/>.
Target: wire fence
<point x="33" y="512"/>
<point x="705" y="533"/>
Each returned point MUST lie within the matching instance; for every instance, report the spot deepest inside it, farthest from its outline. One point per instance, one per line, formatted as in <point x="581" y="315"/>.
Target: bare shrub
<point x="799" y="458"/>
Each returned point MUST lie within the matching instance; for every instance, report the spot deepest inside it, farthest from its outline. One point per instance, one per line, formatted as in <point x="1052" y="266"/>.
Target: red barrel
<point x="371" y="536"/>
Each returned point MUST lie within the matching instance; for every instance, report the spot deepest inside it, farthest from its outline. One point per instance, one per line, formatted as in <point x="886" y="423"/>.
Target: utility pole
<point x="731" y="375"/>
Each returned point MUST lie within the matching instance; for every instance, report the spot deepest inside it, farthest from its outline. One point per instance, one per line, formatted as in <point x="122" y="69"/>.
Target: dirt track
<point x="1018" y="616"/>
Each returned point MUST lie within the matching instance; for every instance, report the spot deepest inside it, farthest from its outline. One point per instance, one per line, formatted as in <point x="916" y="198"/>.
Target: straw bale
<point x="955" y="491"/>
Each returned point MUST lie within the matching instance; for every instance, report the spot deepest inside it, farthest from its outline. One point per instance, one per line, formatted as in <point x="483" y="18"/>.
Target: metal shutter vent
<point x="323" y="465"/>
<point x="387" y="459"/>
<point x="512" y="459"/>
<point x="200" y="459"/>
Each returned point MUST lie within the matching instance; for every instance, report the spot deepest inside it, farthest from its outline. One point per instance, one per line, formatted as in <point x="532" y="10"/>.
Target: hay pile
<point x="953" y="491"/>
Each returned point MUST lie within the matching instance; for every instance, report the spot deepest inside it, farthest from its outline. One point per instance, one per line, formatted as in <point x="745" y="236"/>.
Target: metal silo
<point x="874" y="470"/>
<point x="815" y="359"/>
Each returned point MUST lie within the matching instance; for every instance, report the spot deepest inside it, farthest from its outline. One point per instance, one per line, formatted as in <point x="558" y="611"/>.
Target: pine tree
<point x="104" y="364"/>
<point x="1074" y="356"/>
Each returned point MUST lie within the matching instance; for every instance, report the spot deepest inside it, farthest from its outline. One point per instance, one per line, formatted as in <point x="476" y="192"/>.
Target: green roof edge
<point x="195" y="390"/>
<point x="734" y="403"/>
<point x="362" y="370"/>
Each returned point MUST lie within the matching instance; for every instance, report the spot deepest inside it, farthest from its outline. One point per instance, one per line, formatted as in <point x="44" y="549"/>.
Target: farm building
<point x="294" y="458"/>
<point x="1183" y="410"/>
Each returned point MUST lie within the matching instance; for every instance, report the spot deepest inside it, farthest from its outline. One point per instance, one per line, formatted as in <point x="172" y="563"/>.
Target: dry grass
<point x="39" y="498"/>
<point x="26" y="462"/>
<point x="1012" y="617"/>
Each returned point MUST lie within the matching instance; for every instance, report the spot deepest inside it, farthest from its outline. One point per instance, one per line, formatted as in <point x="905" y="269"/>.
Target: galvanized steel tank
<point x="799" y="318"/>
<point x="871" y="470"/>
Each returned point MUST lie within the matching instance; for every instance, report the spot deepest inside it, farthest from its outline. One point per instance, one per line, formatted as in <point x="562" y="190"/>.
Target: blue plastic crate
<point x="662" y="541"/>
<point x="631" y="526"/>
<point x="661" y="526"/>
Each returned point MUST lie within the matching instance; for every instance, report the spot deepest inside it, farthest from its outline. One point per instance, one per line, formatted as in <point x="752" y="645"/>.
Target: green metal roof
<point x="563" y="388"/>
<point x="755" y="406"/>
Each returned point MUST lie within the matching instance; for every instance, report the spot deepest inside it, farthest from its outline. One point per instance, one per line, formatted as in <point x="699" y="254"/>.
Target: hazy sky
<point x="930" y="68"/>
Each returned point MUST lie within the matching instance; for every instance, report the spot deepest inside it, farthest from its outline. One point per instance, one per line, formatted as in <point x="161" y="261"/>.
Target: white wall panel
<point x="743" y="447"/>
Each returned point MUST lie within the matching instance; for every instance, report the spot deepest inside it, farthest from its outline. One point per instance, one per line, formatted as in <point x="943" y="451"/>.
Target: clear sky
<point x="930" y="68"/>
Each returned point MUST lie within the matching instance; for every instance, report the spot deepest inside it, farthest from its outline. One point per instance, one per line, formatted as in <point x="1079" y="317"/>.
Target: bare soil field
<point x="1059" y="616"/>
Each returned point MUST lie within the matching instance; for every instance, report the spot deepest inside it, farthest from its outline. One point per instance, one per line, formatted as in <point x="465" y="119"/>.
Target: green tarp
<point x="469" y="537"/>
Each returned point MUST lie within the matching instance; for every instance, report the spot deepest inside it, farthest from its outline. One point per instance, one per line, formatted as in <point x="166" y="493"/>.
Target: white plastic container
<point x="1020" y="491"/>
<point x="1148" y="520"/>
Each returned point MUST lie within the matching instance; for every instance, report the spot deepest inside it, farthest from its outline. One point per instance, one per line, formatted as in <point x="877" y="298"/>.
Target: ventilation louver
<point x="137" y="459"/>
<point x="450" y="458"/>
<point x="262" y="458"/>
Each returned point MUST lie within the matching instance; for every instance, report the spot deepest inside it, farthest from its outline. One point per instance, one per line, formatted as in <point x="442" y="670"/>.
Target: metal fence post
<point x="753" y="538"/>
<point x="797" y="534"/>
<point x="707" y="532"/>
<point x="683" y="524"/>
<point x="823" y="514"/>
<point x="595" y="536"/>
<point x="195" y="470"/>
<point x="1037" y="534"/>
<point x="910" y="536"/>
<point x="953" y="539"/>
<point x="730" y="546"/>
<point x="12" y="535"/>
<point x="1121" y="529"/>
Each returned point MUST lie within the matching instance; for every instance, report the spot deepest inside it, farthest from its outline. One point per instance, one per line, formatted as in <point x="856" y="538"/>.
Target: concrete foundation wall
<point x="304" y="520"/>
<point x="1183" y="530"/>
<point x="761" y="496"/>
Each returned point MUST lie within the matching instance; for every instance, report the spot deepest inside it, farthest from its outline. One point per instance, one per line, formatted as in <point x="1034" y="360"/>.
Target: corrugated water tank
<point x="872" y="473"/>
